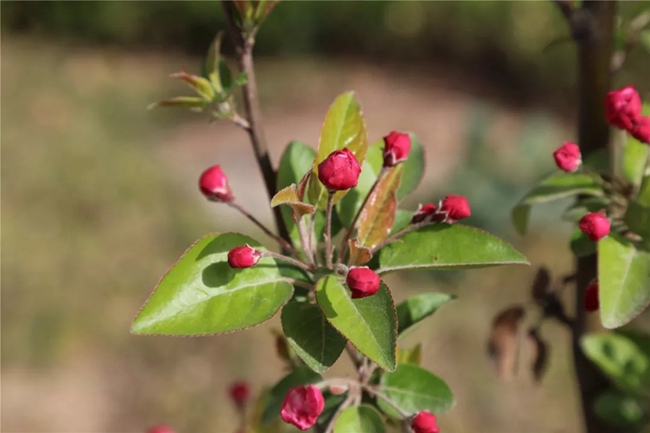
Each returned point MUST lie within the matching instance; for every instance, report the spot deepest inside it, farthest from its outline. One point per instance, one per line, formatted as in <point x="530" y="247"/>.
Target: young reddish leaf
<point x="358" y="254"/>
<point x="344" y="126"/>
<point x="503" y="347"/>
<point x="201" y="85"/>
<point x="378" y="215"/>
<point x="289" y="197"/>
<point x="539" y="354"/>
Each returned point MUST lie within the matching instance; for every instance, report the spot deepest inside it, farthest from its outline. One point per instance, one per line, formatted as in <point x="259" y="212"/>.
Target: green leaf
<point x="349" y="205"/>
<point x="310" y="334"/>
<point x="202" y="295"/>
<point x="378" y="216"/>
<point x="413" y="310"/>
<point x="557" y="186"/>
<point x="618" y="409"/>
<point x="412" y="355"/>
<point x="201" y="85"/>
<point x="413" y="168"/>
<point x="413" y="389"/>
<point x="634" y="159"/>
<point x="402" y="219"/>
<point x="623" y="279"/>
<point x="621" y="359"/>
<point x="194" y="103"/>
<point x="369" y="323"/>
<point x="447" y="247"/>
<point x="581" y="245"/>
<point x="300" y="376"/>
<point x="361" y="419"/>
<point x="295" y="162"/>
<point x="210" y="67"/>
<point x="344" y="126"/>
<point x="637" y="218"/>
<point x="584" y="205"/>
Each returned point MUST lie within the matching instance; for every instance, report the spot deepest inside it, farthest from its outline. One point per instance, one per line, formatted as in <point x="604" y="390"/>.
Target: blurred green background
<point x="99" y="196"/>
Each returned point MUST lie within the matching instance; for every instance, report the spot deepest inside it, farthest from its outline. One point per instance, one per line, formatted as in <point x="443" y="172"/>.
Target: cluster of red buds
<point x="340" y="171"/>
<point x="623" y="109"/>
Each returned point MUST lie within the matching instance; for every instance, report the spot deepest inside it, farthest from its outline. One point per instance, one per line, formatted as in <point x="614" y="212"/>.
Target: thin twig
<point x="346" y="403"/>
<point x="299" y="283"/>
<point x="283" y="243"/>
<point x="244" y="50"/>
<point x="344" y="242"/>
<point x="298" y="263"/>
<point x="349" y="348"/>
<point x="328" y="230"/>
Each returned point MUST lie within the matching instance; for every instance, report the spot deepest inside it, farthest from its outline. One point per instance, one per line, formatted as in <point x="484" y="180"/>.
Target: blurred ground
<point x="99" y="198"/>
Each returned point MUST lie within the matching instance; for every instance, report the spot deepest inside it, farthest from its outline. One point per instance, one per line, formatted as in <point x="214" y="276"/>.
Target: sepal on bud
<point x="424" y="211"/>
<point x="396" y="148"/>
<point x="243" y="257"/>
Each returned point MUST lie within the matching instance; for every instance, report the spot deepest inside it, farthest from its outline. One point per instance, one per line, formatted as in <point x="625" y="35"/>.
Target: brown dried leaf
<point x="503" y="346"/>
<point x="541" y="287"/>
<point x="302" y="186"/>
<point x="378" y="215"/>
<point x="289" y="196"/>
<point x="358" y="254"/>
<point x="539" y="354"/>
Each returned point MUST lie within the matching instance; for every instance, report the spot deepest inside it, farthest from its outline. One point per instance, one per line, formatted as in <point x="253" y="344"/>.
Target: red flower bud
<point x="339" y="171"/>
<point x="240" y="392"/>
<point x="591" y="297"/>
<point x="214" y="185"/>
<point x="160" y="428"/>
<point x="362" y="282"/>
<point x="623" y="107"/>
<point x="595" y="225"/>
<point x="641" y="130"/>
<point x="396" y="149"/>
<point x="302" y="406"/>
<point x="423" y="212"/>
<point x="568" y="157"/>
<point x="424" y="422"/>
<point x="455" y="207"/>
<point x="243" y="257"/>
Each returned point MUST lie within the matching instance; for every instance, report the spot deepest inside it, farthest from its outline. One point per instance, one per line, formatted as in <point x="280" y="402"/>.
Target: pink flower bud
<point x="595" y="225"/>
<point x="396" y="149"/>
<point x="424" y="422"/>
<point x="423" y="212"/>
<point x="623" y="107"/>
<point x="567" y="157"/>
<point x="641" y="129"/>
<point x="591" y="297"/>
<point x="362" y="282"/>
<point x="302" y="406"/>
<point x="339" y="171"/>
<point x="240" y="392"/>
<point x="455" y="207"/>
<point x="160" y="428"/>
<point x="243" y="257"/>
<point x="214" y="185"/>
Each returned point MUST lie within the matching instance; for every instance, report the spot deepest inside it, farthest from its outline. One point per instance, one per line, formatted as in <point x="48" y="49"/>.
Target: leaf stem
<point x="283" y="243"/>
<point x="346" y="238"/>
<point x="390" y="402"/>
<point x="346" y="403"/>
<point x="295" y="262"/>
<point x="299" y="283"/>
<point x="244" y="50"/>
<point x="328" y="229"/>
<point x="349" y="348"/>
<point x="304" y="241"/>
<point x="312" y="236"/>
